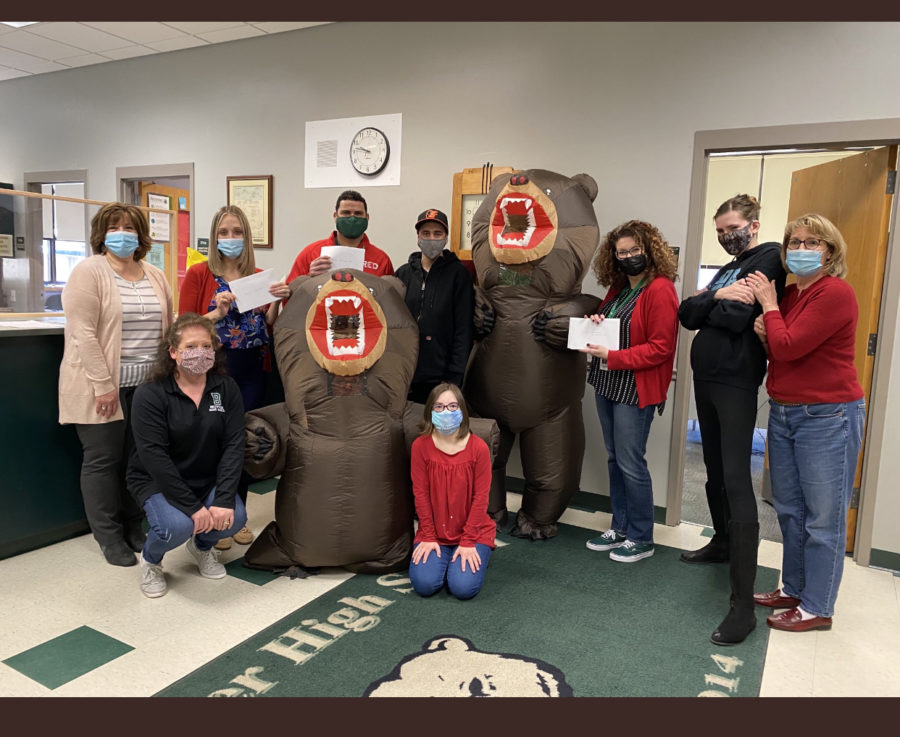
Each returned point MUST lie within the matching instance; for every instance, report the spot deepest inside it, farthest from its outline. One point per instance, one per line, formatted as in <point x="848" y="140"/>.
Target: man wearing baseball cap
<point x="440" y="295"/>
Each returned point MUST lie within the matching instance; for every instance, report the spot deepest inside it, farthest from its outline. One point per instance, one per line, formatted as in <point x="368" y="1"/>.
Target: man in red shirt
<point x="351" y="218"/>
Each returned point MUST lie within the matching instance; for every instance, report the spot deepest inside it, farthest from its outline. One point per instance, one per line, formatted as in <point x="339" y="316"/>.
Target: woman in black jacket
<point x="728" y="363"/>
<point x="188" y="424"/>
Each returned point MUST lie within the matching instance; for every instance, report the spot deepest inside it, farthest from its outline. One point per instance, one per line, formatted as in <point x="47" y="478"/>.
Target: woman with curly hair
<point x="728" y="364"/>
<point x="631" y="383"/>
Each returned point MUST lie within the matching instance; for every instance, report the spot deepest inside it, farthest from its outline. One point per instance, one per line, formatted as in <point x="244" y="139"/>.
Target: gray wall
<point x="619" y="101"/>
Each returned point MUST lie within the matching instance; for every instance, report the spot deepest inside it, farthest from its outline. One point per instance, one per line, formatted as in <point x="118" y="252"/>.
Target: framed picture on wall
<point x="254" y="196"/>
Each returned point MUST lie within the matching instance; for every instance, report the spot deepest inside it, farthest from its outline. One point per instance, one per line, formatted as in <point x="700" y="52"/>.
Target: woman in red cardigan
<point x="631" y="383"/>
<point x="244" y="335"/>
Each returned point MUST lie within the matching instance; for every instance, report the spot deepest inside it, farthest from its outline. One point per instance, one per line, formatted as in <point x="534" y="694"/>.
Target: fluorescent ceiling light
<point x="18" y="23"/>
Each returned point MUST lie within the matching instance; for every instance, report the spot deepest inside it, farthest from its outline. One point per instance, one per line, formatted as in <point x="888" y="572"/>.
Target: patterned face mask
<point x="736" y="241"/>
<point x="447" y="422"/>
<point x="197" y="360"/>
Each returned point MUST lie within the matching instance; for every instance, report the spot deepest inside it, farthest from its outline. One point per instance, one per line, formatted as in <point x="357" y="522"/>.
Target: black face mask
<point x="633" y="265"/>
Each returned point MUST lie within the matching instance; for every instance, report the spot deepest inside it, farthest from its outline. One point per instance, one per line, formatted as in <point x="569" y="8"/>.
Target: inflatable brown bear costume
<point x="532" y="241"/>
<point x="346" y="347"/>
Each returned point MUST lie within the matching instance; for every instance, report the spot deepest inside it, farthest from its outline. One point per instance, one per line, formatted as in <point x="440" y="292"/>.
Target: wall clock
<point x="369" y="151"/>
<point x="469" y="188"/>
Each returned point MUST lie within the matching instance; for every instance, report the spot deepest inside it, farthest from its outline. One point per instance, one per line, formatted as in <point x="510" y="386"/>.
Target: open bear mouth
<point x="346" y="331"/>
<point x="345" y="327"/>
<point x="519" y="222"/>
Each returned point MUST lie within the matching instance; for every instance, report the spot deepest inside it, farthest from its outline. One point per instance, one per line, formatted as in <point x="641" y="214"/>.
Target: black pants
<point x="727" y="416"/>
<point x="245" y="366"/>
<point x="110" y="510"/>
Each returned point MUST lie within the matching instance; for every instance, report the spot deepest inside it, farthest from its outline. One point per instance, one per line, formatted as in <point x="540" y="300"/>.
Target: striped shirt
<point x="617" y="386"/>
<point x="141" y="329"/>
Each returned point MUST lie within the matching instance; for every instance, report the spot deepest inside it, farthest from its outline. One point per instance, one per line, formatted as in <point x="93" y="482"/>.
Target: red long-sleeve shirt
<point x="812" y="338"/>
<point x="451" y="493"/>
<point x="375" y="261"/>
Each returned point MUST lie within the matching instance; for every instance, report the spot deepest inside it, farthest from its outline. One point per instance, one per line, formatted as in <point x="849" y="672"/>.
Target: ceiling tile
<point x="185" y="42"/>
<point x="7" y="73"/>
<point x="83" y="60"/>
<point x="26" y="62"/>
<point x="198" y="27"/>
<point x="278" y="27"/>
<point x="79" y="35"/>
<point x="45" y="48"/>
<point x="127" y="52"/>
<point x="139" y="33"/>
<point x="231" y="34"/>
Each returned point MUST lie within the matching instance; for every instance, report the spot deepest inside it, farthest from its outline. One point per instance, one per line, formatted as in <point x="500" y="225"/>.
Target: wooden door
<point x="853" y="193"/>
<point x="180" y="230"/>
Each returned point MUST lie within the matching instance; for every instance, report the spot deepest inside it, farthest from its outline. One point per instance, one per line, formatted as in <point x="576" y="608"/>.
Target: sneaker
<point x="607" y="541"/>
<point x="207" y="561"/>
<point x="243" y="536"/>
<point x="631" y="551"/>
<point x="153" y="580"/>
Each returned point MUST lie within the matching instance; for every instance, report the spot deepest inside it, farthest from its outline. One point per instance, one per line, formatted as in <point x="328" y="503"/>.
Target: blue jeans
<point x="429" y="577"/>
<point x="170" y="527"/>
<point x="813" y="449"/>
<point x="625" y="432"/>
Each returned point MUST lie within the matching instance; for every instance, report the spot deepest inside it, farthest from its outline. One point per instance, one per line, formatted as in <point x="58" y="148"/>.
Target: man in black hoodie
<point x="439" y="294"/>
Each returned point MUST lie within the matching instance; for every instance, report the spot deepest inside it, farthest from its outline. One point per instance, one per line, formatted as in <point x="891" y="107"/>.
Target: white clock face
<point x="369" y="151"/>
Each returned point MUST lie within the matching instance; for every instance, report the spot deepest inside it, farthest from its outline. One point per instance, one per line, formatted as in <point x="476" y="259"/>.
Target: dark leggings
<point x="727" y="416"/>
<point x="245" y="366"/>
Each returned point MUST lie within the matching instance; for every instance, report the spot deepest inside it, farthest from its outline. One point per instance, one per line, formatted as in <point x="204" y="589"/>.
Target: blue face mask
<point x="446" y="422"/>
<point x="804" y="263"/>
<point x="231" y="247"/>
<point x="121" y="243"/>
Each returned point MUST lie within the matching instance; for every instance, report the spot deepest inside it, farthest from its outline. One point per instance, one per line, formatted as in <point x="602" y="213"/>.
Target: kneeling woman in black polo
<point x="188" y="424"/>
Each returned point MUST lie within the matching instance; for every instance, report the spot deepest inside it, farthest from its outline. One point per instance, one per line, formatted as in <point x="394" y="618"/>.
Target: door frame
<point x="880" y="132"/>
<point x="125" y="174"/>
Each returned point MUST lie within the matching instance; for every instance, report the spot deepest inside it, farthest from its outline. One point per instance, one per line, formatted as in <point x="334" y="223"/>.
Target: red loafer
<point x="792" y="621"/>
<point x="776" y="600"/>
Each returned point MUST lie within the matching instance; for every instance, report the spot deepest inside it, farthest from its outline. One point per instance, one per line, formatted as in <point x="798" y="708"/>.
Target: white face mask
<point x="432" y="247"/>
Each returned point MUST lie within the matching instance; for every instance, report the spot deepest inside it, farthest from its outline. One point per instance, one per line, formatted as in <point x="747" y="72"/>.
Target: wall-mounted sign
<point x="203" y="246"/>
<point x="6" y="245"/>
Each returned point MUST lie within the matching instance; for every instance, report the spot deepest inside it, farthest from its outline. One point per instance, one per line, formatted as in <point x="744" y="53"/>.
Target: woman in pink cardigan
<point x="631" y="383"/>
<point x="117" y="308"/>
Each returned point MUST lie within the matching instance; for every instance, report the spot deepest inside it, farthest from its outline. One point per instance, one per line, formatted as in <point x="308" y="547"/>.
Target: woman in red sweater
<point x="816" y="419"/>
<point x="244" y="335"/>
<point x="631" y="383"/>
<point x="451" y="475"/>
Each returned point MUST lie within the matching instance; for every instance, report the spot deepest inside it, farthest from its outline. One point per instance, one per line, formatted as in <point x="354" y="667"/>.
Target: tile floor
<point x="75" y="626"/>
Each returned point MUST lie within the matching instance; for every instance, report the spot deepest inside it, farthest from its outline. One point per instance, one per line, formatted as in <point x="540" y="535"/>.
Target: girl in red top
<point x="816" y="419"/>
<point x="631" y="383"/>
<point x="451" y="475"/>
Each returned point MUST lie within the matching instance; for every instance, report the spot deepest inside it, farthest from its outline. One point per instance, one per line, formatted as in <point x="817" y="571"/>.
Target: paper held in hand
<point x="582" y="330"/>
<point x="253" y="291"/>
<point x="344" y="257"/>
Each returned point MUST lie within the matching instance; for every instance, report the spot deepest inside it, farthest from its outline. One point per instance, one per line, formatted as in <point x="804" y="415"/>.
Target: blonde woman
<point x="817" y="414"/>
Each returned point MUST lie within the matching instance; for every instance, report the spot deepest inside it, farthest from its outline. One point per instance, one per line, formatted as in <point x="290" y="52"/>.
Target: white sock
<point x="805" y="614"/>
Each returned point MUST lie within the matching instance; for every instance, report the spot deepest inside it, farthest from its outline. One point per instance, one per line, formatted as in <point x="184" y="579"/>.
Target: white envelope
<point x="345" y="257"/>
<point x="582" y="330"/>
<point x="252" y="291"/>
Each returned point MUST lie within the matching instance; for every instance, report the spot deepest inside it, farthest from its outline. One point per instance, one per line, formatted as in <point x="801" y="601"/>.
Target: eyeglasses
<point x="810" y="244"/>
<point x="452" y="407"/>
<point x="636" y="251"/>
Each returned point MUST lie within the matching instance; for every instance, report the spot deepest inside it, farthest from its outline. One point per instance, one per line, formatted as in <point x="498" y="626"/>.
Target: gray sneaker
<point x="607" y="541"/>
<point x="153" y="580"/>
<point x="207" y="561"/>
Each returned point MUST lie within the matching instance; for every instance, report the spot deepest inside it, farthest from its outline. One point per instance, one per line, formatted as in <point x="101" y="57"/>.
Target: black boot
<point x="715" y="551"/>
<point x="118" y="554"/>
<point x="741" y="618"/>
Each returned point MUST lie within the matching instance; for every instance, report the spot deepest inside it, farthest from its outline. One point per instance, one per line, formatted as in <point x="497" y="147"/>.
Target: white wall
<point x="620" y="101"/>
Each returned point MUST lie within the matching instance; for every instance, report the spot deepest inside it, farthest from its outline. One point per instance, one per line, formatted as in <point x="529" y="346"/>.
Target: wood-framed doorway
<point x="881" y="132"/>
